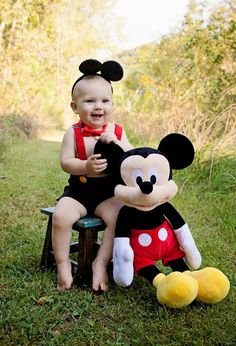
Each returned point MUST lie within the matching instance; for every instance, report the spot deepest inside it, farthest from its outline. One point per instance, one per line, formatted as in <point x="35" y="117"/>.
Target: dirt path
<point x="52" y="136"/>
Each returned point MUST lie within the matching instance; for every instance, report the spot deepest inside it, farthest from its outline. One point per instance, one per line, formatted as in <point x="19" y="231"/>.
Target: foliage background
<point x="184" y="82"/>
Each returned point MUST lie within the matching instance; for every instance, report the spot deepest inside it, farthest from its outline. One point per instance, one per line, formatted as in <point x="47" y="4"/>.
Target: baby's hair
<point x="88" y="77"/>
<point x="109" y="70"/>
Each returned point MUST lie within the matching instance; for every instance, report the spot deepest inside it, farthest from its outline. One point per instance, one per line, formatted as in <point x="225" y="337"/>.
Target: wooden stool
<point x="88" y="228"/>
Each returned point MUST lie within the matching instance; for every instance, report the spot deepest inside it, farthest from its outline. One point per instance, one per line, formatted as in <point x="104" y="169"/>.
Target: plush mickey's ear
<point x="111" y="152"/>
<point x="178" y="149"/>
<point x="112" y="71"/>
<point x="90" y="66"/>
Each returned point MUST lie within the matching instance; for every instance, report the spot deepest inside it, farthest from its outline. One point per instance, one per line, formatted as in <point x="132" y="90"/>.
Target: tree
<point x="42" y="43"/>
<point x="186" y="82"/>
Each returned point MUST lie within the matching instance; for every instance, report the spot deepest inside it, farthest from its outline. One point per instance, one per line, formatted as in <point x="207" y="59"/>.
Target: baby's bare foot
<point x="100" y="277"/>
<point x="64" y="276"/>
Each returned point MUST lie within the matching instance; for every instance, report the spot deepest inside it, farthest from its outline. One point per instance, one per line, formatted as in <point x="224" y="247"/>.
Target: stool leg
<point x="87" y="239"/>
<point x="47" y="259"/>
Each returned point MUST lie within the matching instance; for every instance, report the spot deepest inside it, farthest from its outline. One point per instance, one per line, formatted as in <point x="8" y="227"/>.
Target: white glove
<point x="123" y="256"/>
<point x="187" y="244"/>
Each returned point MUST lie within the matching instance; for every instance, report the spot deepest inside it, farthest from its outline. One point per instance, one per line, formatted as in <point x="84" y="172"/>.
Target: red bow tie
<point x="89" y="131"/>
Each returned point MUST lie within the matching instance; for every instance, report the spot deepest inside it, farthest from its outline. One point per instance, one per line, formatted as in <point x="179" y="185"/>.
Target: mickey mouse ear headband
<point x="110" y="70"/>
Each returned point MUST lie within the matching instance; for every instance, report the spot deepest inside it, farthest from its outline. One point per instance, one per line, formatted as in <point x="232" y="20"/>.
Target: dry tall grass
<point x="217" y="132"/>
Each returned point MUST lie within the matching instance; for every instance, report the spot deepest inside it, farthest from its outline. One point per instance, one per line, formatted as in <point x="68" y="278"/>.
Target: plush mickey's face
<point x="137" y="169"/>
<point x="143" y="175"/>
<point x="146" y="181"/>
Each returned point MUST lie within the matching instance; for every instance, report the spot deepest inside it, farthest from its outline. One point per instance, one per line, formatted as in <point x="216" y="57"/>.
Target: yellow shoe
<point x="213" y="285"/>
<point x="175" y="290"/>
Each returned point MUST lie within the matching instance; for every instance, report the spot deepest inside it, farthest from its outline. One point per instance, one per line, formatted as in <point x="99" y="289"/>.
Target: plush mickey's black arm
<point x="172" y="215"/>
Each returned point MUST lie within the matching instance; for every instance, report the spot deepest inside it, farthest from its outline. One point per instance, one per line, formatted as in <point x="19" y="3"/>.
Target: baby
<point x="90" y="191"/>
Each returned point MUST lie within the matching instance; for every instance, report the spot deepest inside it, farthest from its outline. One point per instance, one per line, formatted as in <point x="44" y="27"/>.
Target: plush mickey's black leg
<point x="178" y="265"/>
<point x="149" y="272"/>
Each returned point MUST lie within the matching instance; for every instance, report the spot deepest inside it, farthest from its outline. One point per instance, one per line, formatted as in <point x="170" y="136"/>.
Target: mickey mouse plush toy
<point x="149" y="228"/>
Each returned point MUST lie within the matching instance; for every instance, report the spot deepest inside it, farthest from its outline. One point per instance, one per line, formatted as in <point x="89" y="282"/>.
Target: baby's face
<point x="92" y="100"/>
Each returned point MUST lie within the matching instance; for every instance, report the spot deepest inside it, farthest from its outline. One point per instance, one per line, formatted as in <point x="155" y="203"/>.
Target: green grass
<point x="32" y="312"/>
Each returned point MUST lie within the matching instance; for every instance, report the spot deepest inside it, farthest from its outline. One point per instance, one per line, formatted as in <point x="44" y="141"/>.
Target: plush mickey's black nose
<point x="146" y="187"/>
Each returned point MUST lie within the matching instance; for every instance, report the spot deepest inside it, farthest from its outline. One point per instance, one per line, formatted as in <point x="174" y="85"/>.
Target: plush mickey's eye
<point x="139" y="180"/>
<point x="153" y="179"/>
<point x="137" y="176"/>
<point x="153" y="175"/>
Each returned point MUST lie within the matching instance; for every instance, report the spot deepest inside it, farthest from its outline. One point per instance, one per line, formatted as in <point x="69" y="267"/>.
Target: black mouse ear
<point x="90" y="66"/>
<point x="178" y="149"/>
<point x="111" y="152"/>
<point x="112" y="71"/>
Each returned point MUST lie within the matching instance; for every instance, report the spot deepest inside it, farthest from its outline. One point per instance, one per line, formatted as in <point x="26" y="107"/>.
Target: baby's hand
<point x="94" y="165"/>
<point x="108" y="136"/>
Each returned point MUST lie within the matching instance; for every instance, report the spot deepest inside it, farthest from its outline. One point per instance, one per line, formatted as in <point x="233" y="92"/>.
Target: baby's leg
<point x="67" y="212"/>
<point x="108" y="211"/>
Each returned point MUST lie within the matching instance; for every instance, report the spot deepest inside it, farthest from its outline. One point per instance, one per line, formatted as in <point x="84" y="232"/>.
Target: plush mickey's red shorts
<point x="150" y="246"/>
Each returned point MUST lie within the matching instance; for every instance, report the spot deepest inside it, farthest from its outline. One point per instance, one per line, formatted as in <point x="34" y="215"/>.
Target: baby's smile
<point x="97" y="115"/>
